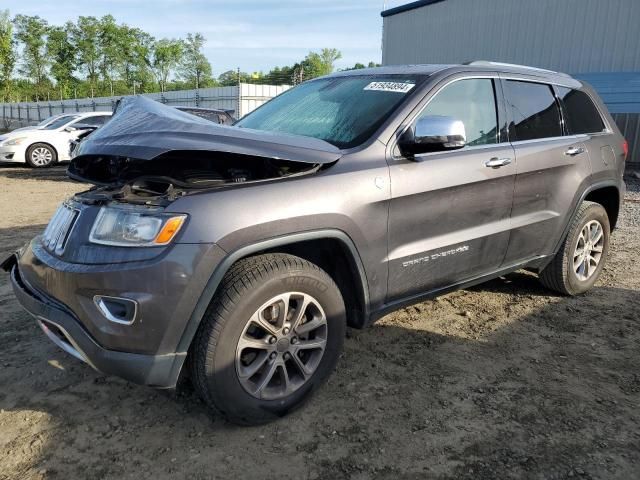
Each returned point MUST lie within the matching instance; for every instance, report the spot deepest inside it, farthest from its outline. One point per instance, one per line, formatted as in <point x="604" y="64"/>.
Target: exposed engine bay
<point x="150" y="153"/>
<point x="177" y="173"/>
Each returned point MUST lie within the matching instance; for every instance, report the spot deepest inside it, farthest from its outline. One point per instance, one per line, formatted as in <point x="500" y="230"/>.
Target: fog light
<point x="117" y="309"/>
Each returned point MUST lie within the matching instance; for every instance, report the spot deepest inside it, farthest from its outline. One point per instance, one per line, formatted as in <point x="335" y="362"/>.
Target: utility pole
<point x="384" y="7"/>
<point x="239" y="97"/>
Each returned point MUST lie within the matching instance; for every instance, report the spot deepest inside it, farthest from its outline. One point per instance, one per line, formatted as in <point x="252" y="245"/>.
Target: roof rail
<point x="487" y="63"/>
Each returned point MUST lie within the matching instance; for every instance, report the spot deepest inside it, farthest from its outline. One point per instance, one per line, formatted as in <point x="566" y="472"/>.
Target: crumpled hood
<point x="144" y="129"/>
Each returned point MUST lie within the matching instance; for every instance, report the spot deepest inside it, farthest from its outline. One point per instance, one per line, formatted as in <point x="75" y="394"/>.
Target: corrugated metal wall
<point x="241" y="100"/>
<point x="596" y="40"/>
<point x="567" y="35"/>
<point x="619" y="90"/>
<point x="252" y="96"/>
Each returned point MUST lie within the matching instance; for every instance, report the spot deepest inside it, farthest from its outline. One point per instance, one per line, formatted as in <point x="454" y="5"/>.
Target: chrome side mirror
<point x="433" y="133"/>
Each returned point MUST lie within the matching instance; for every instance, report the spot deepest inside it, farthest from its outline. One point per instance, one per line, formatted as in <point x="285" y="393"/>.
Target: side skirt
<point x="405" y="302"/>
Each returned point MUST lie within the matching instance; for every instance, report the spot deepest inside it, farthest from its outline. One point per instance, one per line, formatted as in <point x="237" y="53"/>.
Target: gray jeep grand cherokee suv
<point x="238" y="255"/>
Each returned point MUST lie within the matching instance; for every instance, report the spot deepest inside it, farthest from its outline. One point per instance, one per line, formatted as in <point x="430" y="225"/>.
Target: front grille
<point x="57" y="232"/>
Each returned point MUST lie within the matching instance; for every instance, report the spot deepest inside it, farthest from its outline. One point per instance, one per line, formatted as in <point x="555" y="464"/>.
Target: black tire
<point x="245" y="288"/>
<point x="41" y="147"/>
<point x="560" y="275"/>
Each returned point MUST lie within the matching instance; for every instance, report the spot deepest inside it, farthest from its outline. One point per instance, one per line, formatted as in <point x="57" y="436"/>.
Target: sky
<point x="254" y="35"/>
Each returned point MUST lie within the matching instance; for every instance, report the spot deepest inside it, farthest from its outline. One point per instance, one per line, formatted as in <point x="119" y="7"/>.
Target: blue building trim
<point x="620" y="91"/>
<point x="408" y="6"/>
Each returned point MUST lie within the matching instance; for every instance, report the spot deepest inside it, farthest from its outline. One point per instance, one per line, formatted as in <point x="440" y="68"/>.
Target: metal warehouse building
<point x="594" y="40"/>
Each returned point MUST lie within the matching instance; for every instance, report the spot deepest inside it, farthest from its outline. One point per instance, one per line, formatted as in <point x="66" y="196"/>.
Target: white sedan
<point x="48" y="142"/>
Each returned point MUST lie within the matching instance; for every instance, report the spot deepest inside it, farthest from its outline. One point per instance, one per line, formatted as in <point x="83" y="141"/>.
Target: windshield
<point x="61" y="121"/>
<point x="47" y="120"/>
<point x="344" y="111"/>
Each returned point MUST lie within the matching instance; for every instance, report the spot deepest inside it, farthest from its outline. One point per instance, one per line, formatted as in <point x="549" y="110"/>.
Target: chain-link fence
<point x="240" y="99"/>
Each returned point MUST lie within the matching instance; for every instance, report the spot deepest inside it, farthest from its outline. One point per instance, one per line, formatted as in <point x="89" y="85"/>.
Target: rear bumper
<point x="60" y="325"/>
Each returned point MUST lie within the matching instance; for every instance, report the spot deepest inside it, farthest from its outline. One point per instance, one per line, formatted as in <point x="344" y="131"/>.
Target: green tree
<point x="318" y="64"/>
<point x="359" y="66"/>
<point x="136" y="48"/>
<point x="86" y="39"/>
<point x="7" y="53"/>
<point x="279" y="76"/>
<point x="99" y="56"/>
<point x="165" y="57"/>
<point x="31" y="31"/>
<point x="62" y="53"/>
<point x="228" y="78"/>
<point x="109" y="49"/>
<point x="195" y="69"/>
<point x="329" y="56"/>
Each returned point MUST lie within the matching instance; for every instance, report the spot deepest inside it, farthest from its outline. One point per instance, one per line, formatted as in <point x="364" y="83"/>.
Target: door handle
<point x="496" y="162"/>
<point x="573" y="151"/>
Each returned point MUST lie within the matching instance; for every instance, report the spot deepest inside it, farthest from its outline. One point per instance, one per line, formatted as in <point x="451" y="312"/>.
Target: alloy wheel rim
<point x="41" y="156"/>
<point x="281" y="346"/>
<point x="588" y="250"/>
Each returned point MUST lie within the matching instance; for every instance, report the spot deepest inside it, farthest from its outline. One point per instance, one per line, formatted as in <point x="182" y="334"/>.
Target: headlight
<point x="14" y="141"/>
<point x="125" y="227"/>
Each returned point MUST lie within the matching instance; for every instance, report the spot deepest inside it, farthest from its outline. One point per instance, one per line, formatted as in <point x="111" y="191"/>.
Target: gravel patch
<point x="631" y="207"/>
<point x="505" y="380"/>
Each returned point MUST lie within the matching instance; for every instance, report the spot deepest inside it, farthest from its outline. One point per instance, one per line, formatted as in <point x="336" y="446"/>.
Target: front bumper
<point x="60" y="325"/>
<point x="12" y="154"/>
<point x="60" y="296"/>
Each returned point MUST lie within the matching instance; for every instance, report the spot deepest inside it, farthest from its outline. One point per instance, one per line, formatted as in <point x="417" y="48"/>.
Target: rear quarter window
<point x="94" y="121"/>
<point x="534" y="111"/>
<point x="582" y="116"/>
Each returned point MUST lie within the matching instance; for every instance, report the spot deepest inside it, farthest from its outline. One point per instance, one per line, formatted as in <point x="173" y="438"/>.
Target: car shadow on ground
<point x="552" y="393"/>
<point x="54" y="173"/>
<point x="12" y="238"/>
<point x="521" y="282"/>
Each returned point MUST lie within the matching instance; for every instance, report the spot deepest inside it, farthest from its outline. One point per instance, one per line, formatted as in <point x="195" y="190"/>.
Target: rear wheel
<point x="580" y="260"/>
<point x="40" y="155"/>
<point x="272" y="334"/>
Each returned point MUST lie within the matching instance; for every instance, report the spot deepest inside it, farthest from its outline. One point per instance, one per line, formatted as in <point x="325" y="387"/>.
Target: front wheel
<point x="40" y="155"/>
<point x="579" y="262"/>
<point x="272" y="334"/>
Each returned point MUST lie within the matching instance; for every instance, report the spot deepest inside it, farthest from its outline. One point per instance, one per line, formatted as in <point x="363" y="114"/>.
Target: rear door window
<point x="581" y="114"/>
<point x="534" y="111"/>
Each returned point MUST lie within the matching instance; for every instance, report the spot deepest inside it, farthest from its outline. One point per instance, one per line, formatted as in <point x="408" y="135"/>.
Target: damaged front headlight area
<point x="133" y="227"/>
<point x="12" y="141"/>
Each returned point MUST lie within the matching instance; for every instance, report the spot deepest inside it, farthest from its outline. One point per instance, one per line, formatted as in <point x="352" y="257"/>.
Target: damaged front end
<point x="163" y="179"/>
<point x="151" y="154"/>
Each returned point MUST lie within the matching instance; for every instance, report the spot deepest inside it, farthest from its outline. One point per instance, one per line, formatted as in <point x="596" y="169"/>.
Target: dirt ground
<point x="504" y="380"/>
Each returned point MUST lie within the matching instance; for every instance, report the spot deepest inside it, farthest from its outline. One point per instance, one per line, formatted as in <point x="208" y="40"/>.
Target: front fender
<point x="248" y="250"/>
